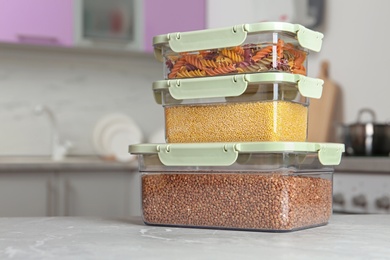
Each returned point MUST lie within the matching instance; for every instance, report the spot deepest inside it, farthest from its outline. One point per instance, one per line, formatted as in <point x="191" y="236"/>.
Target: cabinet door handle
<point x="37" y="39"/>
<point x="52" y="197"/>
<point x="49" y="195"/>
<point x="67" y="197"/>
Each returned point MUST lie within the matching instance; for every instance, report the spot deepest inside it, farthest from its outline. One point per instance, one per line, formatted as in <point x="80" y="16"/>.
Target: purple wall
<point x="168" y="16"/>
<point x="37" y="21"/>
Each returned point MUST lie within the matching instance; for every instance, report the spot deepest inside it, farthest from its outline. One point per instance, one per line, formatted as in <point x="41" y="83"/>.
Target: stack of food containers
<point x="236" y="108"/>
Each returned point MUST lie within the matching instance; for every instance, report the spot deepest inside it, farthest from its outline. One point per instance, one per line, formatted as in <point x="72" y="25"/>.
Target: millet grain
<point x="236" y="201"/>
<point x="237" y="122"/>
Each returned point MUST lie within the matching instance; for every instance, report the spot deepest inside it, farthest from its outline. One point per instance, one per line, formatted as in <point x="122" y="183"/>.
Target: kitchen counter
<point x="364" y="164"/>
<point x="345" y="237"/>
<point x="43" y="163"/>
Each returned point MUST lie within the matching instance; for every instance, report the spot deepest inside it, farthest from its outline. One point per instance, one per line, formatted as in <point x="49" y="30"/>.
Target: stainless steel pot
<point x="367" y="139"/>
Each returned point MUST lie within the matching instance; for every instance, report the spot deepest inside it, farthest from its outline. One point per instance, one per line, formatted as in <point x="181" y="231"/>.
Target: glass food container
<point x="245" y="48"/>
<point x="269" y="186"/>
<point x="239" y="108"/>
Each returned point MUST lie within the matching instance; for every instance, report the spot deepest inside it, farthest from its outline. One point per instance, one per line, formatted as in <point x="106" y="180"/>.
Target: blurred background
<point x="70" y="68"/>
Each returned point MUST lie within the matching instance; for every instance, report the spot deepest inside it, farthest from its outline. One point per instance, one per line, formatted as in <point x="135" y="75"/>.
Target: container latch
<point x="207" y="39"/>
<point x="330" y="153"/>
<point x="208" y="87"/>
<point x="197" y="154"/>
<point x="310" y="87"/>
<point x="309" y="39"/>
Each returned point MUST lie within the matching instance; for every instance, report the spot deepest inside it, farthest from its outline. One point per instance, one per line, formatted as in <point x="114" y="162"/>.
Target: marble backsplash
<point x="80" y="87"/>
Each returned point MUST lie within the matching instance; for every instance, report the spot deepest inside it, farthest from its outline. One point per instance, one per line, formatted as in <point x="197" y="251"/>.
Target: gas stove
<point x="362" y="185"/>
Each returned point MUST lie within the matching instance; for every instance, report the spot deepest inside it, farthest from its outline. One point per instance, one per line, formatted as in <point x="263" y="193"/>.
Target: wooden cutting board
<point x="325" y="113"/>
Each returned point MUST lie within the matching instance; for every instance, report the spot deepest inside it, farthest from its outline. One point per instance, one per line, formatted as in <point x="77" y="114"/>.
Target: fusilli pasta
<point x="247" y="58"/>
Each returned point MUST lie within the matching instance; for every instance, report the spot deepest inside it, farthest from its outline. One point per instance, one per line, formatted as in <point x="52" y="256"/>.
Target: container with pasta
<point x="270" y="186"/>
<point x="245" y="48"/>
<point x="240" y="108"/>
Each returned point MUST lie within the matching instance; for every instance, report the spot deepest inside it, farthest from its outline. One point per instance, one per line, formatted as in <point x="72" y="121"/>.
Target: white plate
<point x="118" y="137"/>
<point x="102" y="125"/>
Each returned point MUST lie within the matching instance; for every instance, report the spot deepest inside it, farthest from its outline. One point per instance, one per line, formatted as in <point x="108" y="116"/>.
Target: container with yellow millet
<point x="241" y="108"/>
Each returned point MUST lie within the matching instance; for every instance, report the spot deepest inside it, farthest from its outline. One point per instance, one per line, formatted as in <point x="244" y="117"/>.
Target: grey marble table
<point x="345" y="237"/>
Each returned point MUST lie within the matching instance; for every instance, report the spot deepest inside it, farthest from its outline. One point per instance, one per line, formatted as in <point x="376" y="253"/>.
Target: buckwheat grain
<point x="236" y="201"/>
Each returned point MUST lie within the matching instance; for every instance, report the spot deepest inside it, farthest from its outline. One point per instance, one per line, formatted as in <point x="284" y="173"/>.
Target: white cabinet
<point x="308" y="13"/>
<point x="70" y="193"/>
<point x="94" y="194"/>
<point x="26" y="194"/>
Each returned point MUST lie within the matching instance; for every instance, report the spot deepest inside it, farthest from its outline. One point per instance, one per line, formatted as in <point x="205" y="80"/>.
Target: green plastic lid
<point x="225" y="154"/>
<point x="233" y="36"/>
<point x="233" y="85"/>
